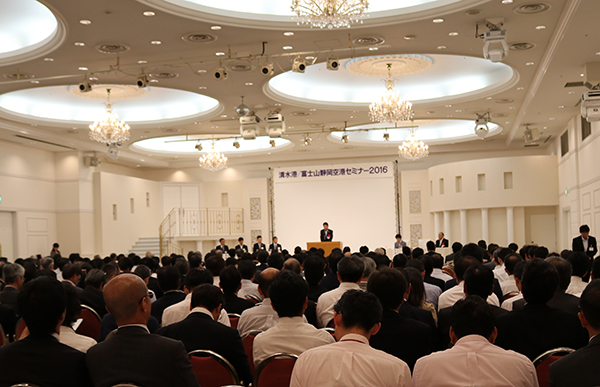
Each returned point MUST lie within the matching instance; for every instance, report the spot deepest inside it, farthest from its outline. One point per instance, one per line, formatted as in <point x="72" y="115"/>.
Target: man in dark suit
<point x="326" y="233"/>
<point x="133" y="354"/>
<point x="92" y="295"/>
<point x="258" y="245"/>
<point x="585" y="242"/>
<point x="441" y="241"/>
<point x="275" y="247"/>
<point x="200" y="330"/>
<point x="40" y="358"/>
<point x="241" y="245"/>
<point x="561" y="300"/>
<point x="71" y="273"/>
<point x="580" y="368"/>
<point x="231" y="282"/>
<point x="222" y="246"/>
<point x="537" y="327"/>
<point x="14" y="276"/>
<point x="169" y="282"/>
<point x="399" y="336"/>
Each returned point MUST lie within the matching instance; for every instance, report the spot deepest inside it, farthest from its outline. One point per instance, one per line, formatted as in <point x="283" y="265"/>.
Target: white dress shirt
<point x="509" y="286"/>
<point x="576" y="287"/>
<point x="179" y="311"/>
<point x="259" y="318"/>
<point x="500" y="273"/>
<point x="474" y="361"/>
<point x="439" y="274"/>
<point x="351" y="362"/>
<point x="456" y="293"/>
<point x="432" y="294"/>
<point x="290" y="335"/>
<point x="68" y="337"/>
<point x="249" y="288"/>
<point x="327" y="301"/>
<point x="508" y="304"/>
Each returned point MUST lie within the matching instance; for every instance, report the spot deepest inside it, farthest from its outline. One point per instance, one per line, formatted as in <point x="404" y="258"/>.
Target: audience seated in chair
<point x="314" y="271"/>
<point x="169" y="282"/>
<point x="260" y="317"/>
<point x="14" y="276"/>
<point x="509" y="285"/>
<point x="351" y="362"/>
<point x="73" y="309"/>
<point x="200" y="330"/>
<point x="474" y="360"/>
<point x="231" y="283"/>
<point x="581" y="263"/>
<point x="92" y="295"/>
<point x="288" y="295"/>
<point x="133" y="354"/>
<point x="248" y="288"/>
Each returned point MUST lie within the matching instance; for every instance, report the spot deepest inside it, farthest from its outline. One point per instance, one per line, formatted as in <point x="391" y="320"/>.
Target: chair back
<point x="212" y="369"/>
<point x="248" y="341"/>
<point x="510" y="295"/>
<point x="253" y="298"/>
<point x="542" y="363"/>
<point x="275" y="371"/>
<point x="331" y="331"/>
<point x="125" y="385"/>
<point x="234" y="318"/>
<point x="90" y="326"/>
<point x="20" y="328"/>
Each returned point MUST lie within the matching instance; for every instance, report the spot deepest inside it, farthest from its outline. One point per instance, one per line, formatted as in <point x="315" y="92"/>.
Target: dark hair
<point x="168" y="278"/>
<point x="351" y="269"/>
<point x="437" y="260"/>
<point x="430" y="246"/>
<point x="564" y="269"/>
<point x="472" y="316"/>
<point x="580" y="262"/>
<point x="456" y="247"/>
<point x="539" y="282"/>
<point x="398" y="236"/>
<point x="262" y="256"/>
<point x="584" y="228"/>
<point x="417" y="264"/>
<point x="472" y="250"/>
<point x="230" y="279"/>
<point x="482" y="244"/>
<point x="247" y="268"/>
<point x="359" y="309"/>
<point x="513" y="246"/>
<point x="510" y="261"/>
<point x="55" y="245"/>
<point x="540" y="252"/>
<point x="214" y="264"/>
<point x="479" y="281"/>
<point x="462" y="264"/>
<point x="182" y="265"/>
<point x="207" y="296"/>
<point x="381" y="260"/>
<point x="518" y="273"/>
<point x="589" y="303"/>
<point x="502" y="254"/>
<point x="596" y="268"/>
<point x="427" y="264"/>
<point x="325" y="223"/>
<point x="363" y="249"/>
<point x="275" y="260"/>
<point x="389" y="285"/>
<point x="259" y="236"/>
<point x="399" y="261"/>
<point x="41" y="303"/>
<point x="95" y="278"/>
<point x="417" y="289"/>
<point x="72" y="304"/>
<point x="125" y="263"/>
<point x="288" y="293"/>
<point x="314" y="268"/>
<point x="195" y="260"/>
<point x="197" y="277"/>
<point x="142" y="271"/>
<point x="417" y="252"/>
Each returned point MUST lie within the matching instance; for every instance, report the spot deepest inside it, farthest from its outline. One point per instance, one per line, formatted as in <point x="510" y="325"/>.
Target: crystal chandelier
<point x="390" y="108"/>
<point x="330" y="13"/>
<point x="413" y="149"/>
<point x="213" y="160"/>
<point x="109" y="129"/>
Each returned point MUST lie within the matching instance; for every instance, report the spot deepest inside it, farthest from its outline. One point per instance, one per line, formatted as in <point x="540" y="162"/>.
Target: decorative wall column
<point x="446" y="225"/>
<point x="485" y="225"/>
<point x="510" y="224"/>
<point x="463" y="226"/>
<point x="436" y="223"/>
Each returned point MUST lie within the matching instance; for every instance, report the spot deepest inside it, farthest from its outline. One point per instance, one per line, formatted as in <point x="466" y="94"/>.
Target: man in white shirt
<point x="352" y="362"/>
<point x="438" y="264"/>
<point x="509" y="303"/>
<point x="288" y="294"/>
<point x="350" y="272"/>
<point x="474" y="360"/>
<point x="455" y="293"/>
<point x="67" y="334"/>
<point x="499" y="258"/>
<point x="581" y="266"/>
<point x="249" y="289"/>
<point x="179" y="311"/>
<point x="509" y="285"/>
<point x="260" y="317"/>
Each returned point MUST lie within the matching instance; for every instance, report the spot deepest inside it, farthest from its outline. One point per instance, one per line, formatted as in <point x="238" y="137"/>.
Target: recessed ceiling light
<point x="83" y="68"/>
<point x="438" y="20"/>
<point x="512" y="108"/>
<point x="223" y="115"/>
<point x="154" y="80"/>
<point x="448" y="105"/>
<point x="507" y="122"/>
<point x="288" y="33"/>
<point x="529" y="64"/>
<point x="142" y="61"/>
<point x="373" y="48"/>
<point x="545" y="127"/>
<point x="249" y="83"/>
<point x="489" y="97"/>
<point x="156" y="42"/>
<point x="441" y="47"/>
<point x="582" y="75"/>
<point x="598" y="53"/>
<point x="520" y="88"/>
<point x="571" y="92"/>
<point x="450" y="115"/>
<point x="201" y="71"/>
<point x="310" y="57"/>
<point x="220" y="53"/>
<point x="215" y="28"/>
<point x="551" y="118"/>
<point x="540" y="28"/>
<point x="149" y="13"/>
<point x="458" y="111"/>
<point x="85" y="22"/>
<point x="351" y="116"/>
<point x="287" y="47"/>
<point x="453" y="34"/>
<point x="312" y="110"/>
<point x="48" y="60"/>
<point x="35" y="81"/>
<point x="561" y="107"/>
<point x="277" y="104"/>
<point x="409" y="37"/>
<point x="79" y="44"/>
<point x="507" y="1"/>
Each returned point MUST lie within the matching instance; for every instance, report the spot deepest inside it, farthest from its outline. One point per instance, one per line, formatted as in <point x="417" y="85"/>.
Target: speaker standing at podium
<point x="326" y="233"/>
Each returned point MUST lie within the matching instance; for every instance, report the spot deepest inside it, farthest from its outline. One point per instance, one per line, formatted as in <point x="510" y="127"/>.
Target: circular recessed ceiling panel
<point x="278" y="14"/>
<point x="29" y="30"/>
<point x="433" y="132"/>
<point x="66" y="105"/>
<point x="435" y="79"/>
<point x="186" y="145"/>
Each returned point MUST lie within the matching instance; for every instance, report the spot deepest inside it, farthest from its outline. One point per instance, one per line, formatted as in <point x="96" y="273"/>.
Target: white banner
<point x="334" y="172"/>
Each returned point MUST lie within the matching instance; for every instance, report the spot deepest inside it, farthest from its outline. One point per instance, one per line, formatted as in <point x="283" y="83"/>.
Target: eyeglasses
<point x="142" y="299"/>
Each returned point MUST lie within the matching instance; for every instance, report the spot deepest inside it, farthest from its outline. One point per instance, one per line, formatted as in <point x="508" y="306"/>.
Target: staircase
<point x="146" y="244"/>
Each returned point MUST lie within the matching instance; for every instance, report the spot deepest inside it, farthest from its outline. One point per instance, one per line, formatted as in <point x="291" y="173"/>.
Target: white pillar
<point x="447" y="226"/>
<point x="510" y="224"/>
<point x="463" y="226"/>
<point x="436" y="224"/>
<point x="485" y="226"/>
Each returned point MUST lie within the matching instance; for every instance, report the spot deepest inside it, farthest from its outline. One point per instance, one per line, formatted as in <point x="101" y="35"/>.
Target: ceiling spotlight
<point x="345" y="139"/>
<point x="333" y="64"/>
<point x="142" y="81"/>
<point x="198" y="147"/>
<point x="299" y="65"/>
<point x="85" y="87"/>
<point x="386" y="136"/>
<point x="266" y="69"/>
<point x="495" y="48"/>
<point x="481" y="125"/>
<point x="272" y="142"/>
<point x="236" y="145"/>
<point x="306" y="141"/>
<point x="113" y="151"/>
<point x="220" y="73"/>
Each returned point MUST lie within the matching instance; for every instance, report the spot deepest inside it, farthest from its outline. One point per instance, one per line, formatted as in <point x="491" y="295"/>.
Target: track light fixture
<point x="306" y="141"/>
<point x="220" y="73"/>
<point x="272" y="142"/>
<point x="345" y="139"/>
<point x="386" y="136"/>
<point x="142" y="81"/>
<point x="299" y="65"/>
<point x="495" y="47"/>
<point x="198" y="147"/>
<point x="85" y="87"/>
<point x="333" y="63"/>
<point x="266" y="69"/>
<point x="481" y="125"/>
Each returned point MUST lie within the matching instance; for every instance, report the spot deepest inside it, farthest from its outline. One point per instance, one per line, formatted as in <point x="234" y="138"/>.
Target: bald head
<point x="265" y="279"/>
<point x="126" y="298"/>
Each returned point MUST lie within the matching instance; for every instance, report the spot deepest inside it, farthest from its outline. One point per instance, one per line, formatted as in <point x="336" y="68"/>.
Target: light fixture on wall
<point x="109" y="129"/>
<point x="413" y="149"/>
<point x="481" y="125"/>
<point x="390" y="108"/>
<point x="330" y="13"/>
<point x="213" y="160"/>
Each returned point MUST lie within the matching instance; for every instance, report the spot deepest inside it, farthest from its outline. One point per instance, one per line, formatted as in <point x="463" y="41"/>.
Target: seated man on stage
<point x="258" y="245"/>
<point x="275" y="247"/>
<point x="222" y="246"/>
<point x="326" y="233"/>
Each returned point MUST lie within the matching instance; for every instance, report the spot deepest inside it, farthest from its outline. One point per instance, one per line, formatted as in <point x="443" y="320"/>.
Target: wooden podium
<point x="326" y="246"/>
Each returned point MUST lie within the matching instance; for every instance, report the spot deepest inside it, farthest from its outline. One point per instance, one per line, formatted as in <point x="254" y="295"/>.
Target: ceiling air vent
<point x="521" y="46"/>
<point x="369" y="41"/>
<point x="164" y="75"/>
<point x="532" y="8"/>
<point x="110" y="48"/>
<point x="199" y="38"/>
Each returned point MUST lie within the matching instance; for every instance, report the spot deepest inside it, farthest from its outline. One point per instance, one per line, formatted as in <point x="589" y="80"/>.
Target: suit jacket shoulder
<point x="579" y="368"/>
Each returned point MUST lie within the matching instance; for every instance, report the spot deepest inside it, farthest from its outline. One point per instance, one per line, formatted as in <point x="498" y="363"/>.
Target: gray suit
<point x="579" y="368"/>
